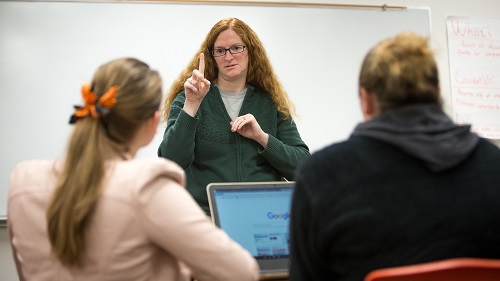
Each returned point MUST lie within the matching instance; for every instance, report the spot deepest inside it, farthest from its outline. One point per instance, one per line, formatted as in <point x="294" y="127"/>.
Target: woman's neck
<point x="231" y="86"/>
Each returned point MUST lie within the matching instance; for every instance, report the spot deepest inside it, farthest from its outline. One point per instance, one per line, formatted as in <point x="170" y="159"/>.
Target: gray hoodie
<point x="423" y="131"/>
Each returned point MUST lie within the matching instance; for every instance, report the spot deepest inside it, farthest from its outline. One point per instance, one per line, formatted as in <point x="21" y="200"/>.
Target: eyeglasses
<point x="219" y="52"/>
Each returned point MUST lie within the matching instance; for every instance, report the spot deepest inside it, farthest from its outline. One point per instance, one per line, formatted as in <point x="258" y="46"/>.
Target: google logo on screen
<point x="276" y="216"/>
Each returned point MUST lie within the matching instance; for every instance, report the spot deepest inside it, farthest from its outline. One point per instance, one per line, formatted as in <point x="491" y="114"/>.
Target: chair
<point x="456" y="269"/>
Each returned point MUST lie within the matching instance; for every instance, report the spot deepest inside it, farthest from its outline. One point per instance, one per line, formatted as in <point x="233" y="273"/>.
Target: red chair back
<point x="458" y="269"/>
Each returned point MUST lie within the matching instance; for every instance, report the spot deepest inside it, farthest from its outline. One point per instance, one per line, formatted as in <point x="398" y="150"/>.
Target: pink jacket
<point x="146" y="227"/>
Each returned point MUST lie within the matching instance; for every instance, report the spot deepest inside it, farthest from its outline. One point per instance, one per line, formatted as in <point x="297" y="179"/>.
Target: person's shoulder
<point x="29" y="174"/>
<point x="330" y="151"/>
<point x="153" y="168"/>
<point x="488" y="149"/>
<point x="129" y="179"/>
<point x="489" y="145"/>
<point x="341" y="152"/>
<point x="342" y="147"/>
<point x="34" y="163"/>
<point x="157" y="163"/>
<point x="32" y="167"/>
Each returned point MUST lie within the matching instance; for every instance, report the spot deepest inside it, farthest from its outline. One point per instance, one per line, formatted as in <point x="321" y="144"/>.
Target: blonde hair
<point x="260" y="71"/>
<point x="93" y="141"/>
<point x="401" y="71"/>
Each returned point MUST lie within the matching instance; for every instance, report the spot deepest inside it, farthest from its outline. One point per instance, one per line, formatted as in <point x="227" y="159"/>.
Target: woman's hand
<point x="196" y="88"/>
<point x="247" y="126"/>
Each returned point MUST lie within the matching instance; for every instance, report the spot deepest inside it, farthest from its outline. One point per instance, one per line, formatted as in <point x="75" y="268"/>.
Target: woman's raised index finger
<point x="201" y="67"/>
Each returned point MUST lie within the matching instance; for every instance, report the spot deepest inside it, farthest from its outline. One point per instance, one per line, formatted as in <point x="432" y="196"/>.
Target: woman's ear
<point x="369" y="104"/>
<point x="145" y="133"/>
<point x="155" y="120"/>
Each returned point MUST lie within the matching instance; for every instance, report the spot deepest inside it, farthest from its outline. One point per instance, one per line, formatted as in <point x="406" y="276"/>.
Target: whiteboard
<point x="474" y="56"/>
<point x="48" y="49"/>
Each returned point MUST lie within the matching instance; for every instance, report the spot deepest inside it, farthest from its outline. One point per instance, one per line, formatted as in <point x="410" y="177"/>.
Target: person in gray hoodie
<point x="408" y="186"/>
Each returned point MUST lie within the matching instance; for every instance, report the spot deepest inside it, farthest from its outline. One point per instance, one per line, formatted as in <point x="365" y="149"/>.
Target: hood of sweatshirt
<point x="423" y="131"/>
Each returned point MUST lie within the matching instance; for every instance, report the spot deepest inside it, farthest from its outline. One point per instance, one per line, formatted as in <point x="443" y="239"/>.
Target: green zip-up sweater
<point x="209" y="152"/>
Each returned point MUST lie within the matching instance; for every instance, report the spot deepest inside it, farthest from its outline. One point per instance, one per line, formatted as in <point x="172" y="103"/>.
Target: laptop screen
<point x="257" y="216"/>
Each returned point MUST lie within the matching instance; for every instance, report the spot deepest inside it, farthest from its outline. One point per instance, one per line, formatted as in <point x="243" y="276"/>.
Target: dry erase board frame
<point x="48" y="49"/>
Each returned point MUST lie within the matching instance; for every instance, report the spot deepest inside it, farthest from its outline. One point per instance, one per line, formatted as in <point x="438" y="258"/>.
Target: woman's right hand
<point x="196" y="88"/>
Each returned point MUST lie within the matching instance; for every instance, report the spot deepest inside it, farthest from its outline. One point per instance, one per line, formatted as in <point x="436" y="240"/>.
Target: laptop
<point x="257" y="216"/>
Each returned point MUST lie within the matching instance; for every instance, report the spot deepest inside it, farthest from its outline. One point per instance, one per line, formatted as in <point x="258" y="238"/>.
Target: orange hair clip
<point x="95" y="108"/>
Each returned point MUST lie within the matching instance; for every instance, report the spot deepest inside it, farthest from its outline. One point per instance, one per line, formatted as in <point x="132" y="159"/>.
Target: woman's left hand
<point x="247" y="126"/>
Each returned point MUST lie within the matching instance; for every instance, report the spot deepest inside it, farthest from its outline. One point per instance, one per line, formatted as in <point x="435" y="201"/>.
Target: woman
<point x="228" y="117"/>
<point x="100" y="214"/>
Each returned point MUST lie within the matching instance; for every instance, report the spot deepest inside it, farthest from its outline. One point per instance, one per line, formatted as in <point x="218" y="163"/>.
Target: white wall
<point x="33" y="55"/>
<point x="440" y="10"/>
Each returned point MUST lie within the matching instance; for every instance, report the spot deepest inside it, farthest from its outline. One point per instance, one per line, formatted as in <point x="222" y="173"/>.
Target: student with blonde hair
<point x="228" y="117"/>
<point x="409" y="185"/>
<point x="100" y="214"/>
